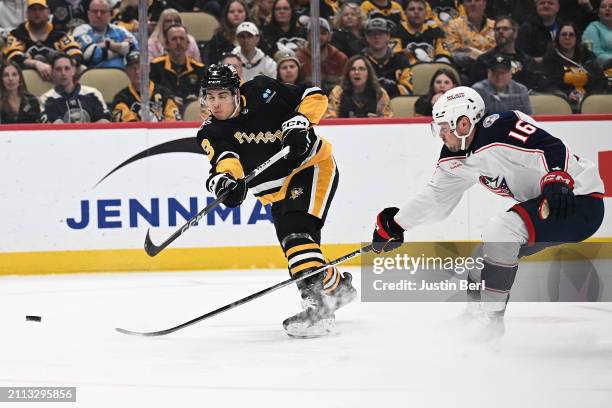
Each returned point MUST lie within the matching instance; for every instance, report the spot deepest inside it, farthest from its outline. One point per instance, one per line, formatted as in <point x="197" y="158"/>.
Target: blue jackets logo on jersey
<point x="495" y="185"/>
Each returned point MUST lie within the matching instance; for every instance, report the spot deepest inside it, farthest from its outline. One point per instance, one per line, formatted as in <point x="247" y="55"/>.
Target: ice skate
<point x="344" y="294"/>
<point x="316" y="320"/>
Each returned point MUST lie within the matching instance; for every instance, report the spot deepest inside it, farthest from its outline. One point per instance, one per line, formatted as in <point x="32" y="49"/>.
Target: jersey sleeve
<point x="220" y="151"/>
<point x="435" y="202"/>
<point x="14" y="49"/>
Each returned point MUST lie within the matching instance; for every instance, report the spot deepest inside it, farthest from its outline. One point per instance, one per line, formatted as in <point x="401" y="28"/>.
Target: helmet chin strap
<point x="236" y="106"/>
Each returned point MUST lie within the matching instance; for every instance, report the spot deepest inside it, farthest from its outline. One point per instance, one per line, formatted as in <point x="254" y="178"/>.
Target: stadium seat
<point x="201" y="25"/>
<point x="35" y="83"/>
<point x="422" y="74"/>
<point x="548" y="104"/>
<point x="403" y="106"/>
<point x="597" y="104"/>
<point x="109" y="81"/>
<point x="193" y="112"/>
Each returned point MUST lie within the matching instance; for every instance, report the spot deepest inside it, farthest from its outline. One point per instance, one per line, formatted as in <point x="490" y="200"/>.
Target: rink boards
<point x="81" y="198"/>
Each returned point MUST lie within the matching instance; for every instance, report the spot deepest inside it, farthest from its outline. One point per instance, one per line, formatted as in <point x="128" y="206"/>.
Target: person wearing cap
<point x="288" y="68"/>
<point x="254" y="61"/>
<point x="104" y="44"/>
<point x="68" y="14"/>
<point x="126" y="106"/>
<point x="332" y="59"/>
<point x="69" y="101"/>
<point x="392" y="69"/>
<point x="499" y="91"/>
<point x="35" y="42"/>
<point x="524" y="67"/>
<point x="176" y="71"/>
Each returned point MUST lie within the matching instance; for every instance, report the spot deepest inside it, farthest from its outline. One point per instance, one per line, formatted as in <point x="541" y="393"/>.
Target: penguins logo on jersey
<point x="296" y="192"/>
<point x="499" y="187"/>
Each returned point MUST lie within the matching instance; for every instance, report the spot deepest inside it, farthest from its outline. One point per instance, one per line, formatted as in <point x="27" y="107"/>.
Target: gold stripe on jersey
<point x="313" y="107"/>
<point x="324" y="176"/>
<point x="324" y="153"/>
<point x="230" y="165"/>
<point x="123" y="113"/>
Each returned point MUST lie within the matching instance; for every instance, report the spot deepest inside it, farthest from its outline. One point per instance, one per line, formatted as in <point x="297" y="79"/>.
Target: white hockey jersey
<point x="508" y="156"/>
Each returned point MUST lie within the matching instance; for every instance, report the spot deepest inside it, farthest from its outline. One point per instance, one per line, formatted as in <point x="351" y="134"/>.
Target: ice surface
<point x="383" y="354"/>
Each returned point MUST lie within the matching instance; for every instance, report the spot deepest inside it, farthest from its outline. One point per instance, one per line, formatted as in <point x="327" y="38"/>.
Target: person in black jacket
<point x="536" y="35"/>
<point x="572" y="68"/>
<point x="224" y="40"/>
<point x="283" y="28"/>
<point x="524" y="68"/>
<point x="347" y="34"/>
<point x="17" y="105"/>
<point x="441" y="81"/>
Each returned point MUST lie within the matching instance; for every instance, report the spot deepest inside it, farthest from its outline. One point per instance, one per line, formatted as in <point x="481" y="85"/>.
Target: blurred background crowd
<point x="80" y="60"/>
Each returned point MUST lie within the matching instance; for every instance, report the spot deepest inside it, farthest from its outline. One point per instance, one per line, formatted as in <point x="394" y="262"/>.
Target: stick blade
<point x="142" y="334"/>
<point x="150" y="248"/>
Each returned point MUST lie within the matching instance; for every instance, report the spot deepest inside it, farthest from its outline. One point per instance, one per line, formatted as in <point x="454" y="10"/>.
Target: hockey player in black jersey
<point x="248" y="124"/>
<point x="559" y="195"/>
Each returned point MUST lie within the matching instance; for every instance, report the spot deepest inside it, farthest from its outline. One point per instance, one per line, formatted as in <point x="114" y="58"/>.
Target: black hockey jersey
<point x="240" y="144"/>
<point x="85" y="104"/>
<point x="20" y="45"/>
<point x="127" y="105"/>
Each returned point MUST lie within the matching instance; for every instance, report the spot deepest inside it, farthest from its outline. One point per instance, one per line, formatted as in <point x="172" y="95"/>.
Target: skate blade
<point x="309" y="331"/>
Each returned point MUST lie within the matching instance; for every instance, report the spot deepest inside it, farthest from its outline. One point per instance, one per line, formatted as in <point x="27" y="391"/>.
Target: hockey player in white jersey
<point x="559" y="194"/>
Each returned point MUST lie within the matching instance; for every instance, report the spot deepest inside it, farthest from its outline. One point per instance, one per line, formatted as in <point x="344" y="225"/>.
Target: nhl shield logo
<point x="490" y="119"/>
<point x="296" y="192"/>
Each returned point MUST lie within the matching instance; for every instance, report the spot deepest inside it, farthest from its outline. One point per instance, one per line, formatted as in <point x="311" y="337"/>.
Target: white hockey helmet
<point x="455" y="103"/>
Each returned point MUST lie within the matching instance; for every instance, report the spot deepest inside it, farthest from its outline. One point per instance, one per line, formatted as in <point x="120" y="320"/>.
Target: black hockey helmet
<point x="219" y="76"/>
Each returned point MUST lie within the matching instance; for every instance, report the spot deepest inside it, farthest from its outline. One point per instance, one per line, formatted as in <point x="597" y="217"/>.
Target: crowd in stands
<point x="371" y="51"/>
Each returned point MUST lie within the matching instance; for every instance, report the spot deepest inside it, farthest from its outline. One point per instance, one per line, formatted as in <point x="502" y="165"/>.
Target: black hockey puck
<point x="34" y="318"/>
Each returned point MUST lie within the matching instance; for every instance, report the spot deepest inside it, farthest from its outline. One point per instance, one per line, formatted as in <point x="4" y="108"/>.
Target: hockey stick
<point x="244" y="300"/>
<point x="152" y="249"/>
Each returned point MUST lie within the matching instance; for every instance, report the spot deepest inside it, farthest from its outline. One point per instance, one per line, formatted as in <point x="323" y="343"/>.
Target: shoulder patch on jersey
<point x="490" y="119"/>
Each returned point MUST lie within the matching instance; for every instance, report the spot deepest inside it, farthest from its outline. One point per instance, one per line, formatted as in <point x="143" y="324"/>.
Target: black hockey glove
<point x="558" y="198"/>
<point x="223" y="183"/>
<point x="388" y="235"/>
<point x="297" y="136"/>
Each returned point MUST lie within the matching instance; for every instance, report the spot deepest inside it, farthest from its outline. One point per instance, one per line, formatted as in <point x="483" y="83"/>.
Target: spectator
<point x="471" y="35"/>
<point x="392" y="70"/>
<point x="69" y="101"/>
<point x="157" y="42"/>
<point x="499" y="92"/>
<point x="283" y="28"/>
<point x="34" y="43"/>
<point x="572" y="68"/>
<point x="360" y="95"/>
<point x="12" y="13"/>
<point x="235" y="61"/>
<point x="524" y="67"/>
<point x="254" y="60"/>
<point x="104" y="44"/>
<point x="68" y="14"/>
<point x="598" y="35"/>
<point x="347" y="34"/>
<point x="422" y="42"/>
<point x="17" y="105"/>
<point x="224" y="40"/>
<point x="391" y="11"/>
<point x="127" y="104"/>
<point x="288" y="69"/>
<point x="442" y="80"/>
<point x="332" y="59"/>
<point x="535" y="35"/>
<point x="261" y="12"/>
<point x="125" y="15"/>
<point x="580" y="12"/>
<point x="175" y="71"/>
